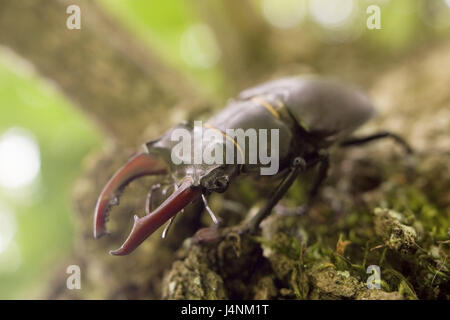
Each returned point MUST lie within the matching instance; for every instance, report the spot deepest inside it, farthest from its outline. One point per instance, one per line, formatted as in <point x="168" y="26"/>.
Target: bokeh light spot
<point x="331" y="13"/>
<point x="284" y="13"/>
<point x="198" y="47"/>
<point x="20" y="160"/>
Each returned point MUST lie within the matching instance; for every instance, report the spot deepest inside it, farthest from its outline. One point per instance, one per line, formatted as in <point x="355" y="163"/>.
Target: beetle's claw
<point x="138" y="166"/>
<point x="145" y="226"/>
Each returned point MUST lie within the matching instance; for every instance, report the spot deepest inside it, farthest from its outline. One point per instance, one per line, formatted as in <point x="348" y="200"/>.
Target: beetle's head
<point x="170" y="157"/>
<point x="218" y="179"/>
<point x="200" y="154"/>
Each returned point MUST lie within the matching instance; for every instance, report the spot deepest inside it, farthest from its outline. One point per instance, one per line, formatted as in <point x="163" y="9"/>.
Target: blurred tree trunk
<point x="244" y="39"/>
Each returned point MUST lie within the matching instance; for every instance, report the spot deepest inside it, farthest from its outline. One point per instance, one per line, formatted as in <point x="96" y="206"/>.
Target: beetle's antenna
<point x="211" y="213"/>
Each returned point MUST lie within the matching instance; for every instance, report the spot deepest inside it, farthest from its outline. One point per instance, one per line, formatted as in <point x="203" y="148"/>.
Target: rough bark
<point x="307" y="257"/>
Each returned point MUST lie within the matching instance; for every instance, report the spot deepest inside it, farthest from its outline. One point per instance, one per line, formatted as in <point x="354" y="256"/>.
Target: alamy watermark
<point x="373" y="21"/>
<point x="73" y="281"/>
<point x="208" y="145"/>
<point x="74" y="19"/>
<point x="374" y="18"/>
<point x="374" y="280"/>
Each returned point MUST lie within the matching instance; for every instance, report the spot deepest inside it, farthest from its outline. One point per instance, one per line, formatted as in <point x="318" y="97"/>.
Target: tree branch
<point x="244" y="38"/>
<point x="99" y="67"/>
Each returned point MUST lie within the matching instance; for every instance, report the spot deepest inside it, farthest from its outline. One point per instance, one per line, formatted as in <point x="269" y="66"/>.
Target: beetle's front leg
<point x="150" y="198"/>
<point x="324" y="164"/>
<point x="160" y="193"/>
<point x="297" y="166"/>
<point x="157" y="194"/>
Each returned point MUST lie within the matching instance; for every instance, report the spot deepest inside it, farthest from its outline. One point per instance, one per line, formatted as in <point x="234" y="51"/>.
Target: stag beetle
<point x="311" y="114"/>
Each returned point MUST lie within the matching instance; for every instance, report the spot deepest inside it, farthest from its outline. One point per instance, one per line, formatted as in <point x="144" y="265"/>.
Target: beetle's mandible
<point x="311" y="114"/>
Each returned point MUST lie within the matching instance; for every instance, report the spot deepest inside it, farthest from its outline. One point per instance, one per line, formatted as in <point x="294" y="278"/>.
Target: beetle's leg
<point x="150" y="203"/>
<point x="150" y="196"/>
<point x="298" y="165"/>
<point x="211" y="213"/>
<point x="157" y="194"/>
<point x="324" y="164"/>
<point x="175" y="188"/>
<point x="167" y="227"/>
<point x="377" y="136"/>
<point x="169" y="224"/>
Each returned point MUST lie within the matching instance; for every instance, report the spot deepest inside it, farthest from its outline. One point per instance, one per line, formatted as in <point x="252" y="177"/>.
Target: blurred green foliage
<point x="43" y="211"/>
<point x="161" y="25"/>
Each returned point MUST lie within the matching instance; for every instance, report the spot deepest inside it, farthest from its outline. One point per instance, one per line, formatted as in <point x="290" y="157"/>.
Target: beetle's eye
<point x="222" y="183"/>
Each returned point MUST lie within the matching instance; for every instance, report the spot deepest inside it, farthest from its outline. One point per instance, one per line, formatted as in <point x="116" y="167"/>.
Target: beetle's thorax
<point x="301" y="114"/>
<point x="321" y="106"/>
